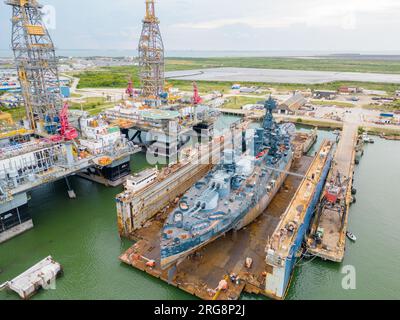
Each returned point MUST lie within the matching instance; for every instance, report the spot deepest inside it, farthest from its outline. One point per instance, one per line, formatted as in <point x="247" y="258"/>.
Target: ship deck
<point x="200" y="274"/>
<point x="282" y="240"/>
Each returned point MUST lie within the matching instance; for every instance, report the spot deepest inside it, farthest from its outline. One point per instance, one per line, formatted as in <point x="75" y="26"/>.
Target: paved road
<point x="344" y="155"/>
<point x="279" y="76"/>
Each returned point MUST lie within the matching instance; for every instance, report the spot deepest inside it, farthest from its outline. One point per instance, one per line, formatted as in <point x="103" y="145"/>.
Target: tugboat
<point x="233" y="194"/>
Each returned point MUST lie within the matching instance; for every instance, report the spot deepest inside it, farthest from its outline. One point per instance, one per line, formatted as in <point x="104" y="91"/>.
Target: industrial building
<point x="293" y="104"/>
<point x="325" y="94"/>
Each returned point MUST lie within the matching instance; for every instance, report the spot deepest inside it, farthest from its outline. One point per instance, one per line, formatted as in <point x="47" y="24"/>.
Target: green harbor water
<point x="82" y="235"/>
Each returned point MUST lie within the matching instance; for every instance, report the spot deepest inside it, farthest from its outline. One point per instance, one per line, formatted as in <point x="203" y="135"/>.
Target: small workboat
<point x="367" y="139"/>
<point x="351" y="236"/>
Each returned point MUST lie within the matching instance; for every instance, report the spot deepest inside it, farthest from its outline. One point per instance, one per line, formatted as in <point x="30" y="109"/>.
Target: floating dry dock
<point x="327" y="238"/>
<point x="41" y="275"/>
<point x="202" y="273"/>
<point x="285" y="245"/>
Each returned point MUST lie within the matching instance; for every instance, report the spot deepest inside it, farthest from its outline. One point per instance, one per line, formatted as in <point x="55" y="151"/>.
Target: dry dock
<point x="201" y="273"/>
<point x="331" y="218"/>
<point x="285" y="245"/>
<point x="135" y="209"/>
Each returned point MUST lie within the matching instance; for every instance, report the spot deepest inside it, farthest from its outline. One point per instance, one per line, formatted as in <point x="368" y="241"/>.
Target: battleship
<point x="233" y="194"/>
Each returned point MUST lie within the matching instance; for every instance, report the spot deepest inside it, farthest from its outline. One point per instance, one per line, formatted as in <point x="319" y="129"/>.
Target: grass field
<point x="319" y="123"/>
<point x="16" y="113"/>
<point x="91" y="105"/>
<point x="117" y="77"/>
<point x="333" y="103"/>
<point x="239" y="102"/>
<point x="315" y="64"/>
<point x="390" y="107"/>
<point x="379" y="131"/>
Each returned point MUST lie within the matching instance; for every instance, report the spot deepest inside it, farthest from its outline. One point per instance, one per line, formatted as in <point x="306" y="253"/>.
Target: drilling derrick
<point x="36" y="62"/>
<point x="151" y="55"/>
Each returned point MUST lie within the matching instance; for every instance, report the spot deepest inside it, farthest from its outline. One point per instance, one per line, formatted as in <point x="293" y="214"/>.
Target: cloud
<point x="336" y="25"/>
<point x="338" y="13"/>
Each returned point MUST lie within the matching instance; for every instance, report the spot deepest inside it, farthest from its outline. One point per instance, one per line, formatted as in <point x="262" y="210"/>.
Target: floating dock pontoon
<point x="41" y="275"/>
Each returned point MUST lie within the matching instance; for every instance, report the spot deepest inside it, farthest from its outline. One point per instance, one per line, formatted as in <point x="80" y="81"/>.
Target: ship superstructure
<point x="164" y="131"/>
<point x="233" y="194"/>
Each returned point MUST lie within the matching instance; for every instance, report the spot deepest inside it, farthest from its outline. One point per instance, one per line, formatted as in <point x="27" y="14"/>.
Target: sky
<point x="276" y="25"/>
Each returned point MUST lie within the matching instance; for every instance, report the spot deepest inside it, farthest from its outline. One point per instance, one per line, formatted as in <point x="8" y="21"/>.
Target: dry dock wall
<point x="134" y="211"/>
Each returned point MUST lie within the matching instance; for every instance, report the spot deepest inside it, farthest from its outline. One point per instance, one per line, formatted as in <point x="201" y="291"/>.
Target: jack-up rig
<point x="48" y="146"/>
<point x="156" y="117"/>
<point x="36" y="62"/>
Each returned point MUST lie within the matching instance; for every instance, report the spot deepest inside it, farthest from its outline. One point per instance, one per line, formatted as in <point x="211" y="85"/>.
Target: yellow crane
<point x="150" y="12"/>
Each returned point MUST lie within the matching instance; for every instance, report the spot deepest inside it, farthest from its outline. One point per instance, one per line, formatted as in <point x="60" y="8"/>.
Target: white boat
<point x="367" y="139"/>
<point x="351" y="236"/>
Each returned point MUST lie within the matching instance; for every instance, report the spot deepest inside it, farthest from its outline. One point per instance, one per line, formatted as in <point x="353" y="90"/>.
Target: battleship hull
<point x="251" y="214"/>
<point x="264" y="202"/>
<point x="234" y="194"/>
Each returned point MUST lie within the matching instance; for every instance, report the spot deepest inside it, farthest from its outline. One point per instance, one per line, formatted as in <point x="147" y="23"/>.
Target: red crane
<point x="129" y="90"/>
<point x="67" y="132"/>
<point x="196" y="97"/>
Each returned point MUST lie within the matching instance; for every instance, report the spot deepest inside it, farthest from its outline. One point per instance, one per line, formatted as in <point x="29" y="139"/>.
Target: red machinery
<point x="336" y="189"/>
<point x="67" y="132"/>
<point x="129" y="90"/>
<point x="196" y="97"/>
<point x="332" y="193"/>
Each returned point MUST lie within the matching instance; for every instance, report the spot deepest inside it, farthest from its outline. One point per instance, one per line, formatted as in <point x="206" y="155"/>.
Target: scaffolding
<point x="151" y="55"/>
<point x="36" y="62"/>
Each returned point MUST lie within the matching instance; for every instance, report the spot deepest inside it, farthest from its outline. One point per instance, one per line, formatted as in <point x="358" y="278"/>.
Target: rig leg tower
<point x="36" y="62"/>
<point x="151" y="55"/>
